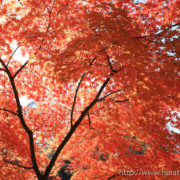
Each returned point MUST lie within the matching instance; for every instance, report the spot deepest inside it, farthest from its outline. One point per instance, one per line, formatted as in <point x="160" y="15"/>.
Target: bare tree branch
<point x="12" y="55"/>
<point x="113" y="176"/>
<point x="21" y="117"/>
<point x="76" y="92"/>
<point x="120" y="101"/>
<point x="73" y="129"/>
<point x="109" y="63"/>
<point x="89" y="120"/>
<point x="49" y="24"/>
<point x="43" y="37"/>
<point x="2" y="70"/>
<point x="4" y="65"/>
<point x="20" y="3"/>
<point x="19" y="70"/>
<point x="102" y="88"/>
<point x="159" y="34"/>
<point x="110" y="66"/>
<point x="75" y="96"/>
<point x="109" y="94"/>
<point x="15" y="163"/>
<point x="92" y="61"/>
<point x="2" y="109"/>
<point x="37" y="129"/>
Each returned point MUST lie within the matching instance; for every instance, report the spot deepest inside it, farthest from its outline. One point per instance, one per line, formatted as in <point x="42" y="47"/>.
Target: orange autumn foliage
<point x="102" y="78"/>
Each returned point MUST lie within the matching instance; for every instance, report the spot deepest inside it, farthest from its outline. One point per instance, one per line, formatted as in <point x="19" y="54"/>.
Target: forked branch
<point x="21" y="117"/>
<point x="104" y="97"/>
<point x="73" y="129"/>
<point x="76" y="92"/>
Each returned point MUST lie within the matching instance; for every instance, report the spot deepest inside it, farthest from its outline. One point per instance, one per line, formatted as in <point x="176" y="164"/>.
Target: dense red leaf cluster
<point x="102" y="82"/>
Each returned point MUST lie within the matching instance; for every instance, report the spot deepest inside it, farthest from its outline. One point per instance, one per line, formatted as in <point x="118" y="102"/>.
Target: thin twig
<point x="101" y="89"/>
<point x="49" y="24"/>
<point x="109" y="63"/>
<point x="109" y="94"/>
<point x="110" y="66"/>
<point x="75" y="96"/>
<point x="14" y="163"/>
<point x="2" y="109"/>
<point x="2" y="70"/>
<point x="20" y="3"/>
<point x="89" y="120"/>
<point x="113" y="176"/>
<point x="129" y="103"/>
<point x="92" y="61"/>
<point x="37" y="129"/>
<point x="18" y="71"/>
<point x="120" y="101"/>
<point x="12" y="55"/>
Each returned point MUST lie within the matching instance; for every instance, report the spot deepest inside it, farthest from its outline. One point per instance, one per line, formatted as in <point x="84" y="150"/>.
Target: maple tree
<point x="103" y="77"/>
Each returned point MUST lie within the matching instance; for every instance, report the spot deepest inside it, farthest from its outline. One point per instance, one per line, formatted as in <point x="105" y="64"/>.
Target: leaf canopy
<point x="102" y="79"/>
